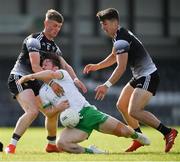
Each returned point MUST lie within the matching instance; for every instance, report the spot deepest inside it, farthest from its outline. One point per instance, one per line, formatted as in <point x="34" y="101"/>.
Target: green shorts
<point x="92" y="118"/>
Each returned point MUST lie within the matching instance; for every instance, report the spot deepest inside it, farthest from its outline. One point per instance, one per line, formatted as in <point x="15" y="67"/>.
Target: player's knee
<point x="33" y="113"/>
<point x="59" y="143"/>
<point x="132" y="113"/>
<point x="62" y="144"/>
<point x="121" y="130"/>
<point x="121" y="107"/>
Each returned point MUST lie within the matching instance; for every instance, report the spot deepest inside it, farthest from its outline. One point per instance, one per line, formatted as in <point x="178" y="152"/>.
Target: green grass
<point x="31" y="148"/>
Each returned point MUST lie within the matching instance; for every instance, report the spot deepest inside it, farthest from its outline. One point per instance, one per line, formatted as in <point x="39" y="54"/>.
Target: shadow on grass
<point x="144" y="153"/>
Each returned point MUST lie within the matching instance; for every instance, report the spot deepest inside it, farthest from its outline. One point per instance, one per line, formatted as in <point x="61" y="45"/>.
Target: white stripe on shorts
<point x="19" y="86"/>
<point x="146" y="82"/>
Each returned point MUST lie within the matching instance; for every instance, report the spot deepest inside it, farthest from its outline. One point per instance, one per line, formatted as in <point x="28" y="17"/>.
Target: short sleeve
<point x="121" y="46"/>
<point x="33" y="45"/>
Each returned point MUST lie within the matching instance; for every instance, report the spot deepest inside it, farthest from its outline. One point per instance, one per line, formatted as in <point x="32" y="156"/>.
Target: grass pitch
<point x="32" y="144"/>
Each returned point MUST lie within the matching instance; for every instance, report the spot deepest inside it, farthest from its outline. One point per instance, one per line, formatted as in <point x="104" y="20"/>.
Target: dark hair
<point x="108" y="14"/>
<point x="53" y="57"/>
<point x="54" y="15"/>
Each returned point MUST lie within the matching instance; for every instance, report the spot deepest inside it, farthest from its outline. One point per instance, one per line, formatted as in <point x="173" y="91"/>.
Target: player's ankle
<point x="88" y="151"/>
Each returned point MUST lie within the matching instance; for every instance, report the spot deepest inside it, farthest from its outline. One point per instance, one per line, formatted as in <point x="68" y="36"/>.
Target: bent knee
<point x="59" y="145"/>
<point x="121" y="130"/>
<point x="133" y="113"/>
<point x="33" y="113"/>
<point x="122" y="107"/>
<point x="62" y="144"/>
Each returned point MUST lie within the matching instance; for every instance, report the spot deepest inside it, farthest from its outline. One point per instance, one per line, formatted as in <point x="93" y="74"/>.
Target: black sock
<point x="163" y="129"/>
<point x="51" y="138"/>
<point x="138" y="130"/>
<point x="16" y="136"/>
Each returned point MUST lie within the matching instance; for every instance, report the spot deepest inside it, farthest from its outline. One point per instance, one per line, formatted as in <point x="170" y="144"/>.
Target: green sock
<point x="88" y="151"/>
<point x="134" y="135"/>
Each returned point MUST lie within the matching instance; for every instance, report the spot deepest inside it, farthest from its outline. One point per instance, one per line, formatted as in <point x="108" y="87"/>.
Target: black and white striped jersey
<point x="139" y="59"/>
<point x="34" y="42"/>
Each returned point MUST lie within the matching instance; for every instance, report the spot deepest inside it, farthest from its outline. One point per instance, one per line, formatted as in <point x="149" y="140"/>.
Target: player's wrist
<point x="98" y="66"/>
<point x="108" y="84"/>
<point x="75" y="79"/>
<point x="30" y="77"/>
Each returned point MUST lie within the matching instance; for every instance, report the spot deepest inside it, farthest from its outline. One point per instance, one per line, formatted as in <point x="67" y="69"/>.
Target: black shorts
<point x="149" y="82"/>
<point x="15" y="88"/>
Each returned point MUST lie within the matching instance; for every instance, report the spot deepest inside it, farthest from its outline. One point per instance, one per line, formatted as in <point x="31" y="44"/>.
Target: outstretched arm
<point x="42" y="75"/>
<point x="121" y="48"/>
<point x="108" y="61"/>
<point x="120" y="68"/>
<point x="101" y="90"/>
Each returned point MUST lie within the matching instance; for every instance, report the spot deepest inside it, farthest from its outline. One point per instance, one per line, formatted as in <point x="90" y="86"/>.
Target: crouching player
<point x="92" y="118"/>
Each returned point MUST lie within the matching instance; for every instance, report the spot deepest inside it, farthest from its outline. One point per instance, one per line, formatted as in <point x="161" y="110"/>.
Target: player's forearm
<point x="120" y="68"/>
<point x="116" y="75"/>
<point x="50" y="112"/>
<point x="45" y="76"/>
<point x="68" y="68"/>
<point x="71" y="72"/>
<point x="108" y="61"/>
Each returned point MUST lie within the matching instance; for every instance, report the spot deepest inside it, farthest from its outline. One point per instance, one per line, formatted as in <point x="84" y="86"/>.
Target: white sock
<point x="13" y="141"/>
<point x="52" y="142"/>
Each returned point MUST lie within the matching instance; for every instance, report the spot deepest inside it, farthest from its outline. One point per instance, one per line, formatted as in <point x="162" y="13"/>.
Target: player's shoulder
<point x="34" y="36"/>
<point x="37" y="35"/>
<point x="64" y="73"/>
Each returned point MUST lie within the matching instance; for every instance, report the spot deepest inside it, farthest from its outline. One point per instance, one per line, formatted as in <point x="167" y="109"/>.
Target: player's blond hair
<point x="54" y="15"/>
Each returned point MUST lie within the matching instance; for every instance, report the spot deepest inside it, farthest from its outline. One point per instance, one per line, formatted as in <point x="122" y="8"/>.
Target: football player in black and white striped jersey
<point x="35" y="47"/>
<point x="129" y="50"/>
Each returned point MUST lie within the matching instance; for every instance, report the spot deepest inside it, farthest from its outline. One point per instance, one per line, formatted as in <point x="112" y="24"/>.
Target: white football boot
<point x="97" y="150"/>
<point x="143" y="139"/>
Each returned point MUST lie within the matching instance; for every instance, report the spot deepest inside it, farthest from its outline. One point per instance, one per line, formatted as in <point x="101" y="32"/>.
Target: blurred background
<point x="156" y="23"/>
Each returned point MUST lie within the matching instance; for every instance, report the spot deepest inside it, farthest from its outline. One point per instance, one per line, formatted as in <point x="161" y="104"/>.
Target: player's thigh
<point x="27" y="99"/>
<point x="125" y="95"/>
<point x="73" y="135"/>
<point x="139" y="99"/>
